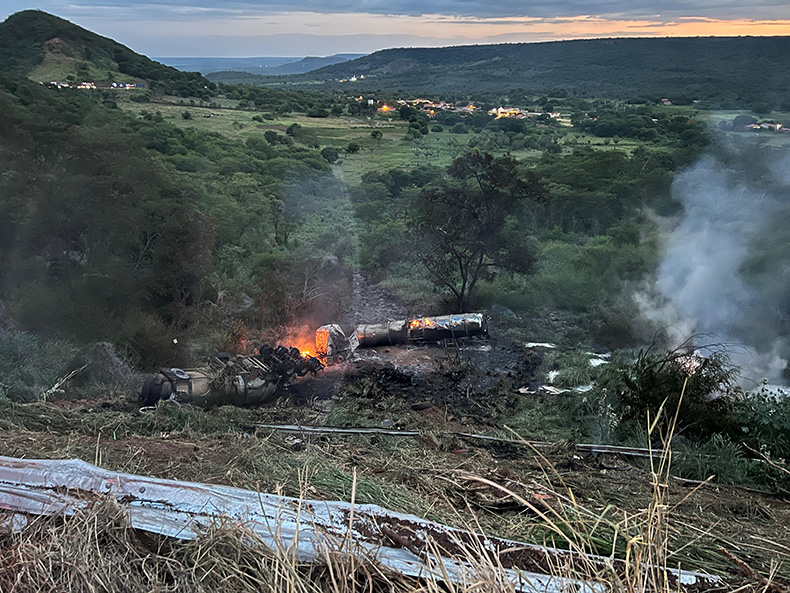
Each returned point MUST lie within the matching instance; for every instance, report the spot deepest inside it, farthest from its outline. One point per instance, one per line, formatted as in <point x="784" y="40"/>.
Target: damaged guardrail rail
<point x="403" y="543"/>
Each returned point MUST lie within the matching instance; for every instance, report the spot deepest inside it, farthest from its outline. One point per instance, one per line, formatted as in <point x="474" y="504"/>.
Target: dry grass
<point x="647" y="523"/>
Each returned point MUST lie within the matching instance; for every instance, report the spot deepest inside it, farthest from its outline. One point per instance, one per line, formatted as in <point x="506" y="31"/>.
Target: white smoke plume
<point x="722" y="275"/>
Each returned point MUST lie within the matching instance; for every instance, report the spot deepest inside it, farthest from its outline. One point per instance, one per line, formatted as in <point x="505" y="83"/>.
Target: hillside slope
<point x="44" y="47"/>
<point x="743" y="68"/>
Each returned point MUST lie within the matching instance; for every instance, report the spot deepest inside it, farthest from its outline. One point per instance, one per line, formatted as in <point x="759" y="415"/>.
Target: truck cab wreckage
<point x="236" y="380"/>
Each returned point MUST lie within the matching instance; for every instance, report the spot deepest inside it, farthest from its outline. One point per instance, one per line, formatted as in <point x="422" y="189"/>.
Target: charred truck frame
<point x="236" y="380"/>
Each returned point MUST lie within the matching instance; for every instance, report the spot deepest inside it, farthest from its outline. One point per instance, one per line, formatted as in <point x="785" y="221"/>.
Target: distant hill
<point x="745" y="67"/>
<point x="46" y="48"/>
<point x="311" y="63"/>
<point x="254" y="65"/>
<point x="226" y="69"/>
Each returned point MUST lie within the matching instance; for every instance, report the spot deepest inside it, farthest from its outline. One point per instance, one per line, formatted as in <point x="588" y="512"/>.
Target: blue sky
<point x="324" y="27"/>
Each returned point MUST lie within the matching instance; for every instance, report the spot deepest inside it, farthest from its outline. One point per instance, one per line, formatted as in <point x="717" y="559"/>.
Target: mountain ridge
<point x="704" y="66"/>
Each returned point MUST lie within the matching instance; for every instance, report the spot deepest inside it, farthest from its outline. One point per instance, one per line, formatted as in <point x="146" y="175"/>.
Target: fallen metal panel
<point x="304" y="527"/>
<point x="180" y="509"/>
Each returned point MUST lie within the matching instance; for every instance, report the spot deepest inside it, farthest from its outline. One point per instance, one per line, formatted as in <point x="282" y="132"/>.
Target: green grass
<point x="554" y="418"/>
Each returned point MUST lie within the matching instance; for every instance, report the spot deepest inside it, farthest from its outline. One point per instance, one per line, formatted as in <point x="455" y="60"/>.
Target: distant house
<point x="666" y="101"/>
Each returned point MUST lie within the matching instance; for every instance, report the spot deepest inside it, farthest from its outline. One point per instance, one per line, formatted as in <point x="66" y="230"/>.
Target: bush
<point x="330" y="154"/>
<point x="718" y="457"/>
<point x="140" y="97"/>
<point x="764" y="420"/>
<point x="655" y="381"/>
<point x="353" y="147"/>
<point x="29" y="365"/>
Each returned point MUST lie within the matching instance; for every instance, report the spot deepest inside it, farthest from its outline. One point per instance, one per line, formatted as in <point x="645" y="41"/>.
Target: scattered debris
<point x="539" y="345"/>
<point x="550" y="390"/>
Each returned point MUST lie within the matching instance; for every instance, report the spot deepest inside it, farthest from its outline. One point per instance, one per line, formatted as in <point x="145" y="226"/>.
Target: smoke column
<point x="724" y="273"/>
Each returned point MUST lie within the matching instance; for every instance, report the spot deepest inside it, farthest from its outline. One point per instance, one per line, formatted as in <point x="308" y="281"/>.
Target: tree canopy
<point x="461" y="223"/>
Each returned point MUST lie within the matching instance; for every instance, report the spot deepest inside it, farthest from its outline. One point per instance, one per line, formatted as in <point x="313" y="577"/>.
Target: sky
<point x="240" y="28"/>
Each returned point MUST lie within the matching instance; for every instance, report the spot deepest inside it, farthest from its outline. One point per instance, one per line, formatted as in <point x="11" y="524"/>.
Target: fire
<point x="385" y="107"/>
<point x="422" y="323"/>
<point x="305" y="353"/>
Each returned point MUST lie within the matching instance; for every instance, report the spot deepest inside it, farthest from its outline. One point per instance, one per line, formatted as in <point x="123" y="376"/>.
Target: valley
<point x="623" y="235"/>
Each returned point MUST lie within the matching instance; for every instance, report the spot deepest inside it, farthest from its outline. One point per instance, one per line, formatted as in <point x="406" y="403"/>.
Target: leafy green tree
<point x="461" y="222"/>
<point x="353" y="147"/>
<point x="330" y="154"/>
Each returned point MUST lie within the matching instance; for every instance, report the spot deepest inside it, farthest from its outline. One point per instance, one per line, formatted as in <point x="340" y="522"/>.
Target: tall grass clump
<point x="30" y="366"/>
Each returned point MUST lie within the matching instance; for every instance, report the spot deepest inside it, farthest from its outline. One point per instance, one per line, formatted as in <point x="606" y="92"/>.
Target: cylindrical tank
<point x="422" y="329"/>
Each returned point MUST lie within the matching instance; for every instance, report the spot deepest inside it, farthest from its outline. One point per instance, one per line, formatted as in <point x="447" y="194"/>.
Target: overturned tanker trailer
<point x="235" y="380"/>
<point x="422" y="329"/>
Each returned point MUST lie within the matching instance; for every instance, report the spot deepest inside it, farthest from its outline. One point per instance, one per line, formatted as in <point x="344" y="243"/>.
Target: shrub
<point x="764" y="420"/>
<point x="718" y="457"/>
<point x="655" y="381"/>
<point x="29" y="365"/>
<point x="330" y="154"/>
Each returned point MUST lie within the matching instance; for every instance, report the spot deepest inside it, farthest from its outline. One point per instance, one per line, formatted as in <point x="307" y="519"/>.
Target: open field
<point x="393" y="150"/>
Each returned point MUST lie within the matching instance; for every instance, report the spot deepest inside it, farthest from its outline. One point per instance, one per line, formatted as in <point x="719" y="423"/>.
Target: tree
<point x="353" y="147"/>
<point x="330" y="153"/>
<point x="377" y="135"/>
<point x="461" y="222"/>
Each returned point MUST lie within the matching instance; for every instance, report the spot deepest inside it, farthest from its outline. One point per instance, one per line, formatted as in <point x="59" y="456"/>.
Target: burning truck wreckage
<point x="249" y="380"/>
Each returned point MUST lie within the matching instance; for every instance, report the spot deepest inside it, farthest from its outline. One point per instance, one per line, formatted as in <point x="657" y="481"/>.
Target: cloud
<point x="636" y="9"/>
<point x="274" y="27"/>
